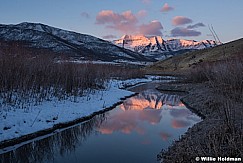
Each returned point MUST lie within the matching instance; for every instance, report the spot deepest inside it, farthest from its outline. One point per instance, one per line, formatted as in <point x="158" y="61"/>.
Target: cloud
<point x="180" y="31"/>
<point x="142" y="13"/>
<point x="181" y="20"/>
<point x="166" y="8"/>
<point x="152" y="28"/>
<point x="108" y="16"/>
<point x="85" y="15"/>
<point x="196" y="26"/>
<point x="109" y="37"/>
<point x="127" y="22"/>
<point x="124" y="22"/>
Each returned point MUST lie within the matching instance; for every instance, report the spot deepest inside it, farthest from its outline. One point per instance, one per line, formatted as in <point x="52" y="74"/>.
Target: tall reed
<point x="32" y="78"/>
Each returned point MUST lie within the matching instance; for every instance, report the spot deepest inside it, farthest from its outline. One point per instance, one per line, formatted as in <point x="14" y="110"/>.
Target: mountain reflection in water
<point x="151" y="99"/>
<point x="150" y="119"/>
<point x="148" y="107"/>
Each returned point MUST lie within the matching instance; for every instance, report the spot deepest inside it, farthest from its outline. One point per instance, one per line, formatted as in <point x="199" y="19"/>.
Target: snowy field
<point x="15" y="123"/>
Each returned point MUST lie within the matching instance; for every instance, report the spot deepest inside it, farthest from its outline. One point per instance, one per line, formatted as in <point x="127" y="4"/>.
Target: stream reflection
<point x="148" y="107"/>
<point x="44" y="150"/>
<point x="152" y="119"/>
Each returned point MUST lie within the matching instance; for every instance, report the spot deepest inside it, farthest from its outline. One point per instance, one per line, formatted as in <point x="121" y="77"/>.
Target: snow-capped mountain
<point x="156" y="45"/>
<point x="74" y="44"/>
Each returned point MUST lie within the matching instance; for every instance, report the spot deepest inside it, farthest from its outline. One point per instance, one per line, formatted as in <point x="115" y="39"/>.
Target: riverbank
<point x="18" y="125"/>
<point x="218" y="135"/>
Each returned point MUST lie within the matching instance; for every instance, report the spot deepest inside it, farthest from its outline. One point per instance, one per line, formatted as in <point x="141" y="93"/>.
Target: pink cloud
<point x="142" y="13"/>
<point x="127" y="22"/>
<point x="166" y="8"/>
<point x="108" y="16"/>
<point x="152" y="28"/>
<point x="181" y="20"/>
<point x="180" y="31"/>
<point x="124" y="22"/>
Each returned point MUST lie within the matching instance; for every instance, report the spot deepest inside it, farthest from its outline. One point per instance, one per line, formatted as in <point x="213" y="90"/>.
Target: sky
<point x="110" y="19"/>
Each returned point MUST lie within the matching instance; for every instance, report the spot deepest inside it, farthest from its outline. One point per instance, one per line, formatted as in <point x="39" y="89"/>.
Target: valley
<point x="56" y="83"/>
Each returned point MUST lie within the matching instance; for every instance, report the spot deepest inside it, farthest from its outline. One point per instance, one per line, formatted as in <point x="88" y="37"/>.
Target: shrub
<point x="27" y="78"/>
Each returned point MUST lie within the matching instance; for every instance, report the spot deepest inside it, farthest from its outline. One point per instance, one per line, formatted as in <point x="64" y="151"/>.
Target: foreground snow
<point x="15" y="123"/>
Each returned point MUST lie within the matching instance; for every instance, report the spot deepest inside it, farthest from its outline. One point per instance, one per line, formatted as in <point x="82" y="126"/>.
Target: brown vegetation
<point x="189" y="60"/>
<point x="219" y="97"/>
<point x="224" y="77"/>
<point x="26" y="78"/>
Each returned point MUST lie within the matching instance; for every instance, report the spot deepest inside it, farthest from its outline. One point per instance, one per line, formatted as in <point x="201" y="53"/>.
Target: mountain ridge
<point x="157" y="45"/>
<point x="76" y="45"/>
<point x="190" y="60"/>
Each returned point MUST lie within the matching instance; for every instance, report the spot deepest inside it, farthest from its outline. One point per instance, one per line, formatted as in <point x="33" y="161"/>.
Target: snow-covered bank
<point x="15" y="123"/>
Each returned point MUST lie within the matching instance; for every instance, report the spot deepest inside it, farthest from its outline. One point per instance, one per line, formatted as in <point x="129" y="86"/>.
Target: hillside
<point x="189" y="60"/>
<point x="74" y="45"/>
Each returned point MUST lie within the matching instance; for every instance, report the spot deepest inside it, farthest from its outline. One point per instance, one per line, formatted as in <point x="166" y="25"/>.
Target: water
<point x="134" y="131"/>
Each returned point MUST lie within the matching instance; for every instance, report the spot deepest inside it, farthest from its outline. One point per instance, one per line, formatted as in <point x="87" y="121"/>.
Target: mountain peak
<point x="134" y="41"/>
<point x="75" y="45"/>
<point x="148" y="44"/>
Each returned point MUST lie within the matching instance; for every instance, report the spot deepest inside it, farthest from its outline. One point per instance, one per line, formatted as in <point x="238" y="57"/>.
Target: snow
<point x="119" y="61"/>
<point x="15" y="122"/>
<point x="60" y="40"/>
<point x="133" y="41"/>
<point x="144" y="44"/>
<point x="130" y="82"/>
<point x="115" y="62"/>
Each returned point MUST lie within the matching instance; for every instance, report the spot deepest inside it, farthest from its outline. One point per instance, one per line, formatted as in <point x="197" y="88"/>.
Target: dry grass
<point x="189" y="60"/>
<point x="225" y="79"/>
<point x="219" y="97"/>
<point x="26" y="78"/>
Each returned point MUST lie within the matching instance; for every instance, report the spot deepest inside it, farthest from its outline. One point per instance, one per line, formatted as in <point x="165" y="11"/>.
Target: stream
<point x="134" y="131"/>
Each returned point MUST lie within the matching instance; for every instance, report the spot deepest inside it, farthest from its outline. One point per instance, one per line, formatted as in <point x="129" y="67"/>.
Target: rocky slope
<point x="159" y="48"/>
<point x="76" y="45"/>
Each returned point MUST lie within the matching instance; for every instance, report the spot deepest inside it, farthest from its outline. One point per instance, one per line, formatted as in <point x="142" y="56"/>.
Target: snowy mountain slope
<point x="77" y="45"/>
<point x="156" y="45"/>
